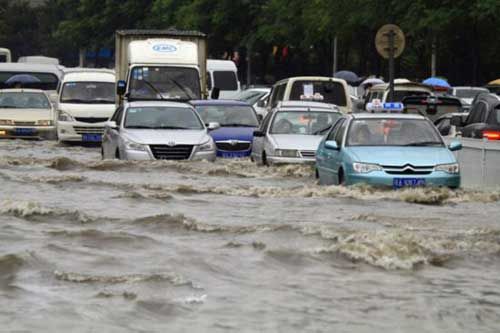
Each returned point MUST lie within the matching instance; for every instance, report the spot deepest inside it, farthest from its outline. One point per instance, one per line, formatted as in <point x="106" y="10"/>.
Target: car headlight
<point x="45" y="122"/>
<point x="207" y="146"/>
<point x="366" y="167"/>
<point x="6" y="122"/>
<point x="452" y="168"/>
<point x="286" y="153"/>
<point x="64" y="116"/>
<point x="130" y="145"/>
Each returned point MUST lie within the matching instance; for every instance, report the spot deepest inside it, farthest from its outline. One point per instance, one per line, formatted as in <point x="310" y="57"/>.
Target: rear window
<point x="494" y="118"/>
<point x="44" y="81"/>
<point x="225" y="80"/>
<point x="332" y="92"/>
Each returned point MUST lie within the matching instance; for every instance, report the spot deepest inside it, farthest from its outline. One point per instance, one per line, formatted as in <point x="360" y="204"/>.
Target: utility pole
<point x="433" y="57"/>
<point x="335" y="59"/>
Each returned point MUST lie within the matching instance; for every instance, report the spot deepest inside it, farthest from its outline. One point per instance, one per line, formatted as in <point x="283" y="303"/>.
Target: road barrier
<point x="479" y="163"/>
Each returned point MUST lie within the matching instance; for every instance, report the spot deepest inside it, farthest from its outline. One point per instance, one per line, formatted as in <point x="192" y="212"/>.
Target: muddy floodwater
<point x="113" y="246"/>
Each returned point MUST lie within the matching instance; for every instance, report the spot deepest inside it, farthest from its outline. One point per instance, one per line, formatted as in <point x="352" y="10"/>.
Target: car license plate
<point x="24" y="131"/>
<point x="408" y="182"/>
<point x="232" y="155"/>
<point x="91" y="137"/>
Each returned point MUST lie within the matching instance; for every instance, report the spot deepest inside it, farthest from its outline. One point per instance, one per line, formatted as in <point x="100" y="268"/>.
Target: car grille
<point x="91" y="120"/>
<point x="408" y="169"/>
<point x="88" y="130"/>
<point x="24" y="123"/>
<point x="178" y="152"/>
<point x="308" y="153"/>
<point x="233" y="145"/>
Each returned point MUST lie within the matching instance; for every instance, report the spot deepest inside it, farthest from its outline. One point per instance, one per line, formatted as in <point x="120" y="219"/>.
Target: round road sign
<point x="382" y="40"/>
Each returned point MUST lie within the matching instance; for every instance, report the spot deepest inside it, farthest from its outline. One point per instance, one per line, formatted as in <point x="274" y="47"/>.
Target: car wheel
<point x="264" y="159"/>
<point x="117" y="155"/>
<point x="316" y="173"/>
<point x="102" y="153"/>
<point x="341" y="177"/>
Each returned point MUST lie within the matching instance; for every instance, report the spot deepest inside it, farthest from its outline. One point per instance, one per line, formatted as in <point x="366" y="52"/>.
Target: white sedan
<point x="26" y="114"/>
<point x="292" y="132"/>
<point x="157" y="131"/>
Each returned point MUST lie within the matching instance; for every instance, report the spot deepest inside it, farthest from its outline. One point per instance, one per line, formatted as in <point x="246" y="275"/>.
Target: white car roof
<point x="386" y="116"/>
<point x="89" y="76"/>
<point x="301" y="105"/>
<point x="471" y="88"/>
<point x="22" y="90"/>
<point x="214" y="65"/>
<point x="138" y="104"/>
<point x="30" y="67"/>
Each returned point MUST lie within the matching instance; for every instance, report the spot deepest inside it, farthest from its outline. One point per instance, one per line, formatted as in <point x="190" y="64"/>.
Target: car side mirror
<point x="332" y="145"/>
<point x="456" y="121"/>
<point x="213" y="126"/>
<point x="121" y="87"/>
<point x="111" y="124"/>
<point x="215" y="93"/>
<point x="260" y="118"/>
<point x="455" y="145"/>
<point x="53" y="98"/>
<point x="258" y="133"/>
<point x="262" y="103"/>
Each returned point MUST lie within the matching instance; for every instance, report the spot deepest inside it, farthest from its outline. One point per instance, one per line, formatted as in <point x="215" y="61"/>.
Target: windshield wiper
<point x="171" y="127"/>
<point x="237" y="125"/>
<point x="74" y="100"/>
<point x="183" y="89"/>
<point x="140" y="127"/>
<point x="423" y="143"/>
<point x="322" y="130"/>
<point x="152" y="86"/>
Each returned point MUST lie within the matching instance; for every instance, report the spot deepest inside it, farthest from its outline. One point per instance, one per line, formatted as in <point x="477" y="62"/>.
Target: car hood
<point x="400" y="156"/>
<point x="26" y="114"/>
<point x="295" y="141"/>
<point x="161" y="137"/>
<point x="88" y="110"/>
<point x="233" y="133"/>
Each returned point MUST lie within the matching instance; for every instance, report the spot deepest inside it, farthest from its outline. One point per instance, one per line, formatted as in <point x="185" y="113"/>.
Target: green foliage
<point x="465" y="31"/>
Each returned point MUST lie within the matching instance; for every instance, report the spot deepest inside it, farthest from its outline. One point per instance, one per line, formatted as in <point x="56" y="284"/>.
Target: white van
<point x="5" y="55"/>
<point x="311" y="88"/>
<point x="30" y="76"/>
<point x="86" y="101"/>
<point x="223" y="74"/>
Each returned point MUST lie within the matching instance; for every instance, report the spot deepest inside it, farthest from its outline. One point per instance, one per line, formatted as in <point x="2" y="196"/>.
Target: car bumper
<point x="148" y="156"/>
<point x="290" y="160"/>
<point x="28" y="132"/>
<point x="234" y="154"/>
<point x="381" y="178"/>
<point x="74" y="131"/>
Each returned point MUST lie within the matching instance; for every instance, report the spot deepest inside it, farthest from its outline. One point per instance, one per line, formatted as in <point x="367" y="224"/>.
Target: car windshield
<point x="161" y="117"/>
<point x="88" y="92"/>
<point x="251" y="96"/>
<point x="392" y="132"/>
<point x="175" y="83"/>
<point x="327" y="91"/>
<point x="303" y="122"/>
<point x="469" y="93"/>
<point x="228" y="115"/>
<point x="23" y="100"/>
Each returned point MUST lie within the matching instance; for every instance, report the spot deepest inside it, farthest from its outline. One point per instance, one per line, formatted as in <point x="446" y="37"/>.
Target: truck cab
<point x="160" y="65"/>
<point x="223" y="74"/>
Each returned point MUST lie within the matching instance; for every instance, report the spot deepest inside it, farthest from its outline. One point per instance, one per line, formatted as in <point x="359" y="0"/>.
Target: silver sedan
<point x="292" y="132"/>
<point x="157" y="131"/>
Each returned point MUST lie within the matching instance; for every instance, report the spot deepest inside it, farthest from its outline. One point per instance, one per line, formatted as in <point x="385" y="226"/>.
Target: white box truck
<point x="161" y="64"/>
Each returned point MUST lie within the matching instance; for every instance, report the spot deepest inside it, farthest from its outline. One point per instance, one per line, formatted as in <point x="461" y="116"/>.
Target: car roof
<point x="88" y="76"/>
<point x="310" y="106"/>
<point x="31" y="67"/>
<point x="311" y="78"/>
<point x="386" y="115"/>
<point x="218" y="102"/>
<point x="470" y="88"/>
<point x="21" y="90"/>
<point x="158" y="103"/>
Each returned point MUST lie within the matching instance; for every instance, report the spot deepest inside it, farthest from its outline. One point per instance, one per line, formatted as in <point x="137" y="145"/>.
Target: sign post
<point x="390" y="43"/>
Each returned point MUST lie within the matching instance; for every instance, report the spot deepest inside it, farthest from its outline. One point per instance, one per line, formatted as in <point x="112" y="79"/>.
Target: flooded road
<point x="112" y="246"/>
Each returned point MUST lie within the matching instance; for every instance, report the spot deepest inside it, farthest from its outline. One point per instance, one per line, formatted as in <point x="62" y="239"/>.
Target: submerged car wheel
<point x="102" y="153"/>
<point x="316" y="173"/>
<point x="117" y="155"/>
<point x="341" y="177"/>
<point x="264" y="159"/>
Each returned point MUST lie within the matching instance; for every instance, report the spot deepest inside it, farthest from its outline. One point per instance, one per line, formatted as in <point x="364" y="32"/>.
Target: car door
<point x="258" y="141"/>
<point x="110" y="137"/>
<point x="326" y="158"/>
<point x="475" y="121"/>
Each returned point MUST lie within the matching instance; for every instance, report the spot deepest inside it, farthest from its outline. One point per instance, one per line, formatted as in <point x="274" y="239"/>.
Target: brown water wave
<point x="31" y="210"/>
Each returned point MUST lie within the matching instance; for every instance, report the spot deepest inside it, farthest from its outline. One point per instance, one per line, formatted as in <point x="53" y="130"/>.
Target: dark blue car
<point x="238" y="121"/>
